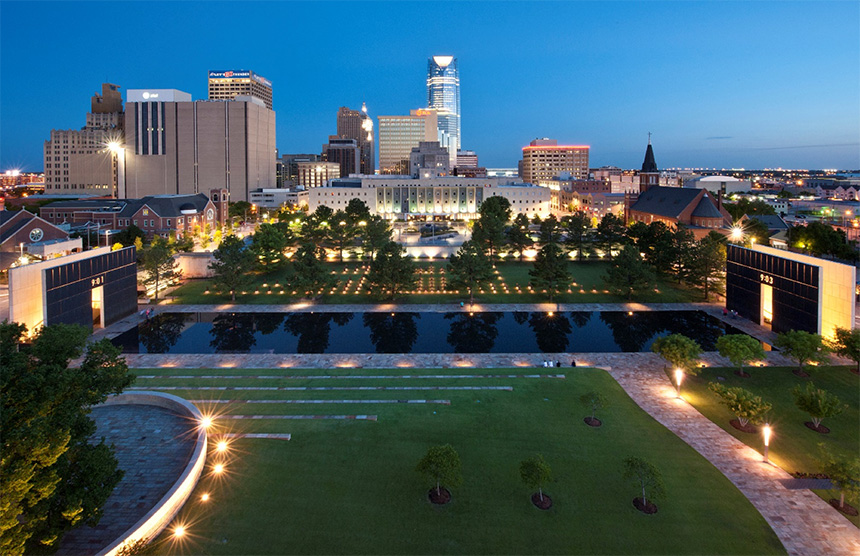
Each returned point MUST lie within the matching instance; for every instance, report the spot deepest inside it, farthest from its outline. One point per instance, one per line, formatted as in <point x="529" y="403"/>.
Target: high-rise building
<point x="429" y="159"/>
<point x="443" y="95"/>
<point x="545" y="159"/>
<point x="85" y="161"/>
<point x="178" y="146"/>
<point x="357" y="125"/>
<point x="398" y="135"/>
<point x="345" y="152"/>
<point x="228" y="84"/>
<point x="290" y="168"/>
<point x="317" y="174"/>
<point x="467" y="159"/>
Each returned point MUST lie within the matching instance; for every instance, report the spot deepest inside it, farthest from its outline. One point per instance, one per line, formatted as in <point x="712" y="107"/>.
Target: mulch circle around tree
<point x="742" y="374"/>
<point x="801" y="374"/>
<point x="595" y="422"/>
<point x="820" y="428"/>
<point x="440" y="497"/>
<point x="847" y="509"/>
<point x="544" y="504"/>
<point x="648" y="508"/>
<point x="743" y="428"/>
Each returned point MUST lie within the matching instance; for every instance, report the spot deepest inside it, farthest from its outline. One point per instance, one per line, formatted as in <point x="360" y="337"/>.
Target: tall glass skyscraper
<point x="443" y="95"/>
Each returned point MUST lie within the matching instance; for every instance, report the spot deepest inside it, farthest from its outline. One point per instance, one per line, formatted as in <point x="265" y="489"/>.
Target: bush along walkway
<point x="804" y="523"/>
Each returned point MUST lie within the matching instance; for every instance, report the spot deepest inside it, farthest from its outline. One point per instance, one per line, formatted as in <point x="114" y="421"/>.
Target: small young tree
<point x="158" y="265"/>
<point x="594" y="401"/>
<point x="819" y="404"/>
<point x="740" y="349"/>
<point x="847" y="344"/>
<point x="629" y="273"/>
<point x="844" y="473"/>
<point x="470" y="268"/>
<point x="442" y="465"/>
<point x="231" y="265"/>
<point x="391" y="272"/>
<point x="803" y="347"/>
<point x="646" y="476"/>
<point x="679" y="350"/>
<point x="550" y="270"/>
<point x="746" y="406"/>
<point x="535" y="473"/>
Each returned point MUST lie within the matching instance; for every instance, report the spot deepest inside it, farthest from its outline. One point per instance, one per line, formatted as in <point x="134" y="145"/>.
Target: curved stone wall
<point x="150" y="525"/>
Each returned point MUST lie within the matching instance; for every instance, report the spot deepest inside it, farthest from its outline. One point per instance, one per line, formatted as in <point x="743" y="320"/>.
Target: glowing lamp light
<point x="179" y="531"/>
<point x="221" y="446"/>
<point x="219" y="468"/>
<point x="204" y="497"/>
<point x="206" y="422"/>
<point x="737" y="234"/>
<point x="766" y="430"/>
<point x="679" y="376"/>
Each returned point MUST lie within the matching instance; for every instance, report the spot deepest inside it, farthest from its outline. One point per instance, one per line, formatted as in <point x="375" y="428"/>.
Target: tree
<point x="847" y="344"/>
<point x="594" y="401"/>
<point x="550" y="230"/>
<point x="577" y="225"/>
<point x="518" y="235"/>
<point x="356" y="210"/>
<point x="158" y="265"/>
<point x="317" y="228"/>
<point x="52" y="476"/>
<point x="749" y="207"/>
<point x="230" y="266"/>
<point x="239" y="209"/>
<point x="740" y="349"/>
<point x="820" y="239"/>
<point x="469" y="268"/>
<point x="343" y="230"/>
<point x="442" y="465"/>
<point x="755" y="231"/>
<point x="682" y="242"/>
<point x="269" y="245"/>
<point x="629" y="273"/>
<point x="680" y="351"/>
<point x="707" y="262"/>
<point x="535" y="473"/>
<point x="391" y="272"/>
<point x="610" y="232"/>
<point x="550" y="270"/>
<point x="374" y="234"/>
<point x="127" y="236"/>
<point x="658" y="245"/>
<point x="309" y="273"/>
<point x="819" y="404"/>
<point x="489" y="230"/>
<point x="803" y="347"/>
<point x="746" y="406"/>
<point x="844" y="472"/>
<point x="646" y="476"/>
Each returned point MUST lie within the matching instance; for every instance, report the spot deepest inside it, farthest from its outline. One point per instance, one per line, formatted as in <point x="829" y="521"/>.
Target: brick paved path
<point x="804" y="523"/>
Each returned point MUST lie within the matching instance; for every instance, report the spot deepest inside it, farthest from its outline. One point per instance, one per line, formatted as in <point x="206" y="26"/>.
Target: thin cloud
<point x="807" y="146"/>
<point x="718" y="137"/>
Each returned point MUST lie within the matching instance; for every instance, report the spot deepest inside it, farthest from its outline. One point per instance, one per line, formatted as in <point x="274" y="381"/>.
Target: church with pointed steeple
<point x="649" y="176"/>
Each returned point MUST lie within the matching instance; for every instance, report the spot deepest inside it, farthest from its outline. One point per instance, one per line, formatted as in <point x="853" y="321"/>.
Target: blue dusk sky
<point x="736" y="84"/>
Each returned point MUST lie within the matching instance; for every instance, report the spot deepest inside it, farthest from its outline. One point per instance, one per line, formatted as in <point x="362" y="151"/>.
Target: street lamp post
<point x="766" y="433"/>
<point x="679" y="376"/>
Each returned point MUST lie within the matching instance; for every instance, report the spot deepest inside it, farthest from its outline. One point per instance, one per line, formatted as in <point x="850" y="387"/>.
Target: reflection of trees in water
<point x="521" y="317"/>
<point x="392" y="332"/>
<point x="268" y="323"/>
<point x="474" y="333"/>
<point x="579" y="318"/>
<point x="161" y="332"/>
<point x="632" y="332"/>
<point x="697" y="325"/>
<point x="233" y="333"/>
<point x="313" y="329"/>
<point x="551" y="332"/>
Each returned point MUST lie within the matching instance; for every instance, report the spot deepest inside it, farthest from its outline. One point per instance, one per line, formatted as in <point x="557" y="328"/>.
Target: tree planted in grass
<point x="518" y="234"/>
<point x="740" y="349"/>
<point x="158" y="265"/>
<point x="847" y="344"/>
<point x="470" y="268"/>
<point x="844" y="473"/>
<point x="819" y="404"/>
<point x="489" y="230"/>
<point x="309" y="274"/>
<point x="803" y="347"/>
<point x="230" y="266"/>
<point x="268" y="246"/>
<point x="594" y="401"/>
<point x="746" y="406"/>
<point x="391" y="272"/>
<point x="577" y="226"/>
<point x="535" y="473"/>
<point x="646" y="476"/>
<point x="442" y="465"/>
<point x="679" y="350"/>
<point x="550" y="270"/>
<point x="629" y="273"/>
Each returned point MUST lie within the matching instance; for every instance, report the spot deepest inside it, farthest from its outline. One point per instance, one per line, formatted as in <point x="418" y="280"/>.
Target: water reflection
<point x="161" y="332"/>
<point x="313" y="329"/>
<point x="392" y="332"/>
<point x="551" y="331"/>
<point x="233" y="333"/>
<point x="473" y="333"/>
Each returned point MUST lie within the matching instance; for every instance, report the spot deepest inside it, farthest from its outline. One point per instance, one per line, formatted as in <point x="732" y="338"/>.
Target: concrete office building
<point x="789" y="291"/>
<point x="467" y="159"/>
<point x="316" y="174"/>
<point x="429" y="159"/>
<point x="81" y="161"/>
<point x="229" y="84"/>
<point x="290" y="167"/>
<point x="345" y="152"/>
<point x="544" y="159"/>
<point x="724" y="185"/>
<point x="178" y="146"/>
<point x="443" y="95"/>
<point x="398" y="135"/>
<point x="357" y="125"/>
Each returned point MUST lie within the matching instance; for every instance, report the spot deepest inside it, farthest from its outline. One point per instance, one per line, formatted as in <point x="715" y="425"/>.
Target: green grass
<point x="510" y="287"/>
<point x="350" y="486"/>
<point x="793" y="446"/>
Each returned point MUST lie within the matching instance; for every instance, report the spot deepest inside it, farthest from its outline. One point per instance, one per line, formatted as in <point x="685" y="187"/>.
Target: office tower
<point x="429" y="159"/>
<point x="649" y="176"/>
<point x="443" y="95"/>
<point x="545" y="159"/>
<point x="228" y="84"/>
<point x="357" y="125"/>
<point x="82" y="161"/>
<point x="346" y="153"/>
<point x="467" y="159"/>
<point x="178" y="146"/>
<point x="316" y="174"/>
<point x="398" y="135"/>
<point x="290" y="162"/>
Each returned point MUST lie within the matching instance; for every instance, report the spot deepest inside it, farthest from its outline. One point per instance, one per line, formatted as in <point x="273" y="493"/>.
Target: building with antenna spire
<point x="357" y="125"/>
<point x="443" y="95"/>
<point x="649" y="176"/>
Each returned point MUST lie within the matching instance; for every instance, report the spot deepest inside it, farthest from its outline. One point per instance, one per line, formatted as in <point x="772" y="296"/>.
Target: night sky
<point x="744" y="84"/>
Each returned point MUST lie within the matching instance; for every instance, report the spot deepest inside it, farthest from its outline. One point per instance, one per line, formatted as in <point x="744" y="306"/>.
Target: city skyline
<point x="749" y="85"/>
